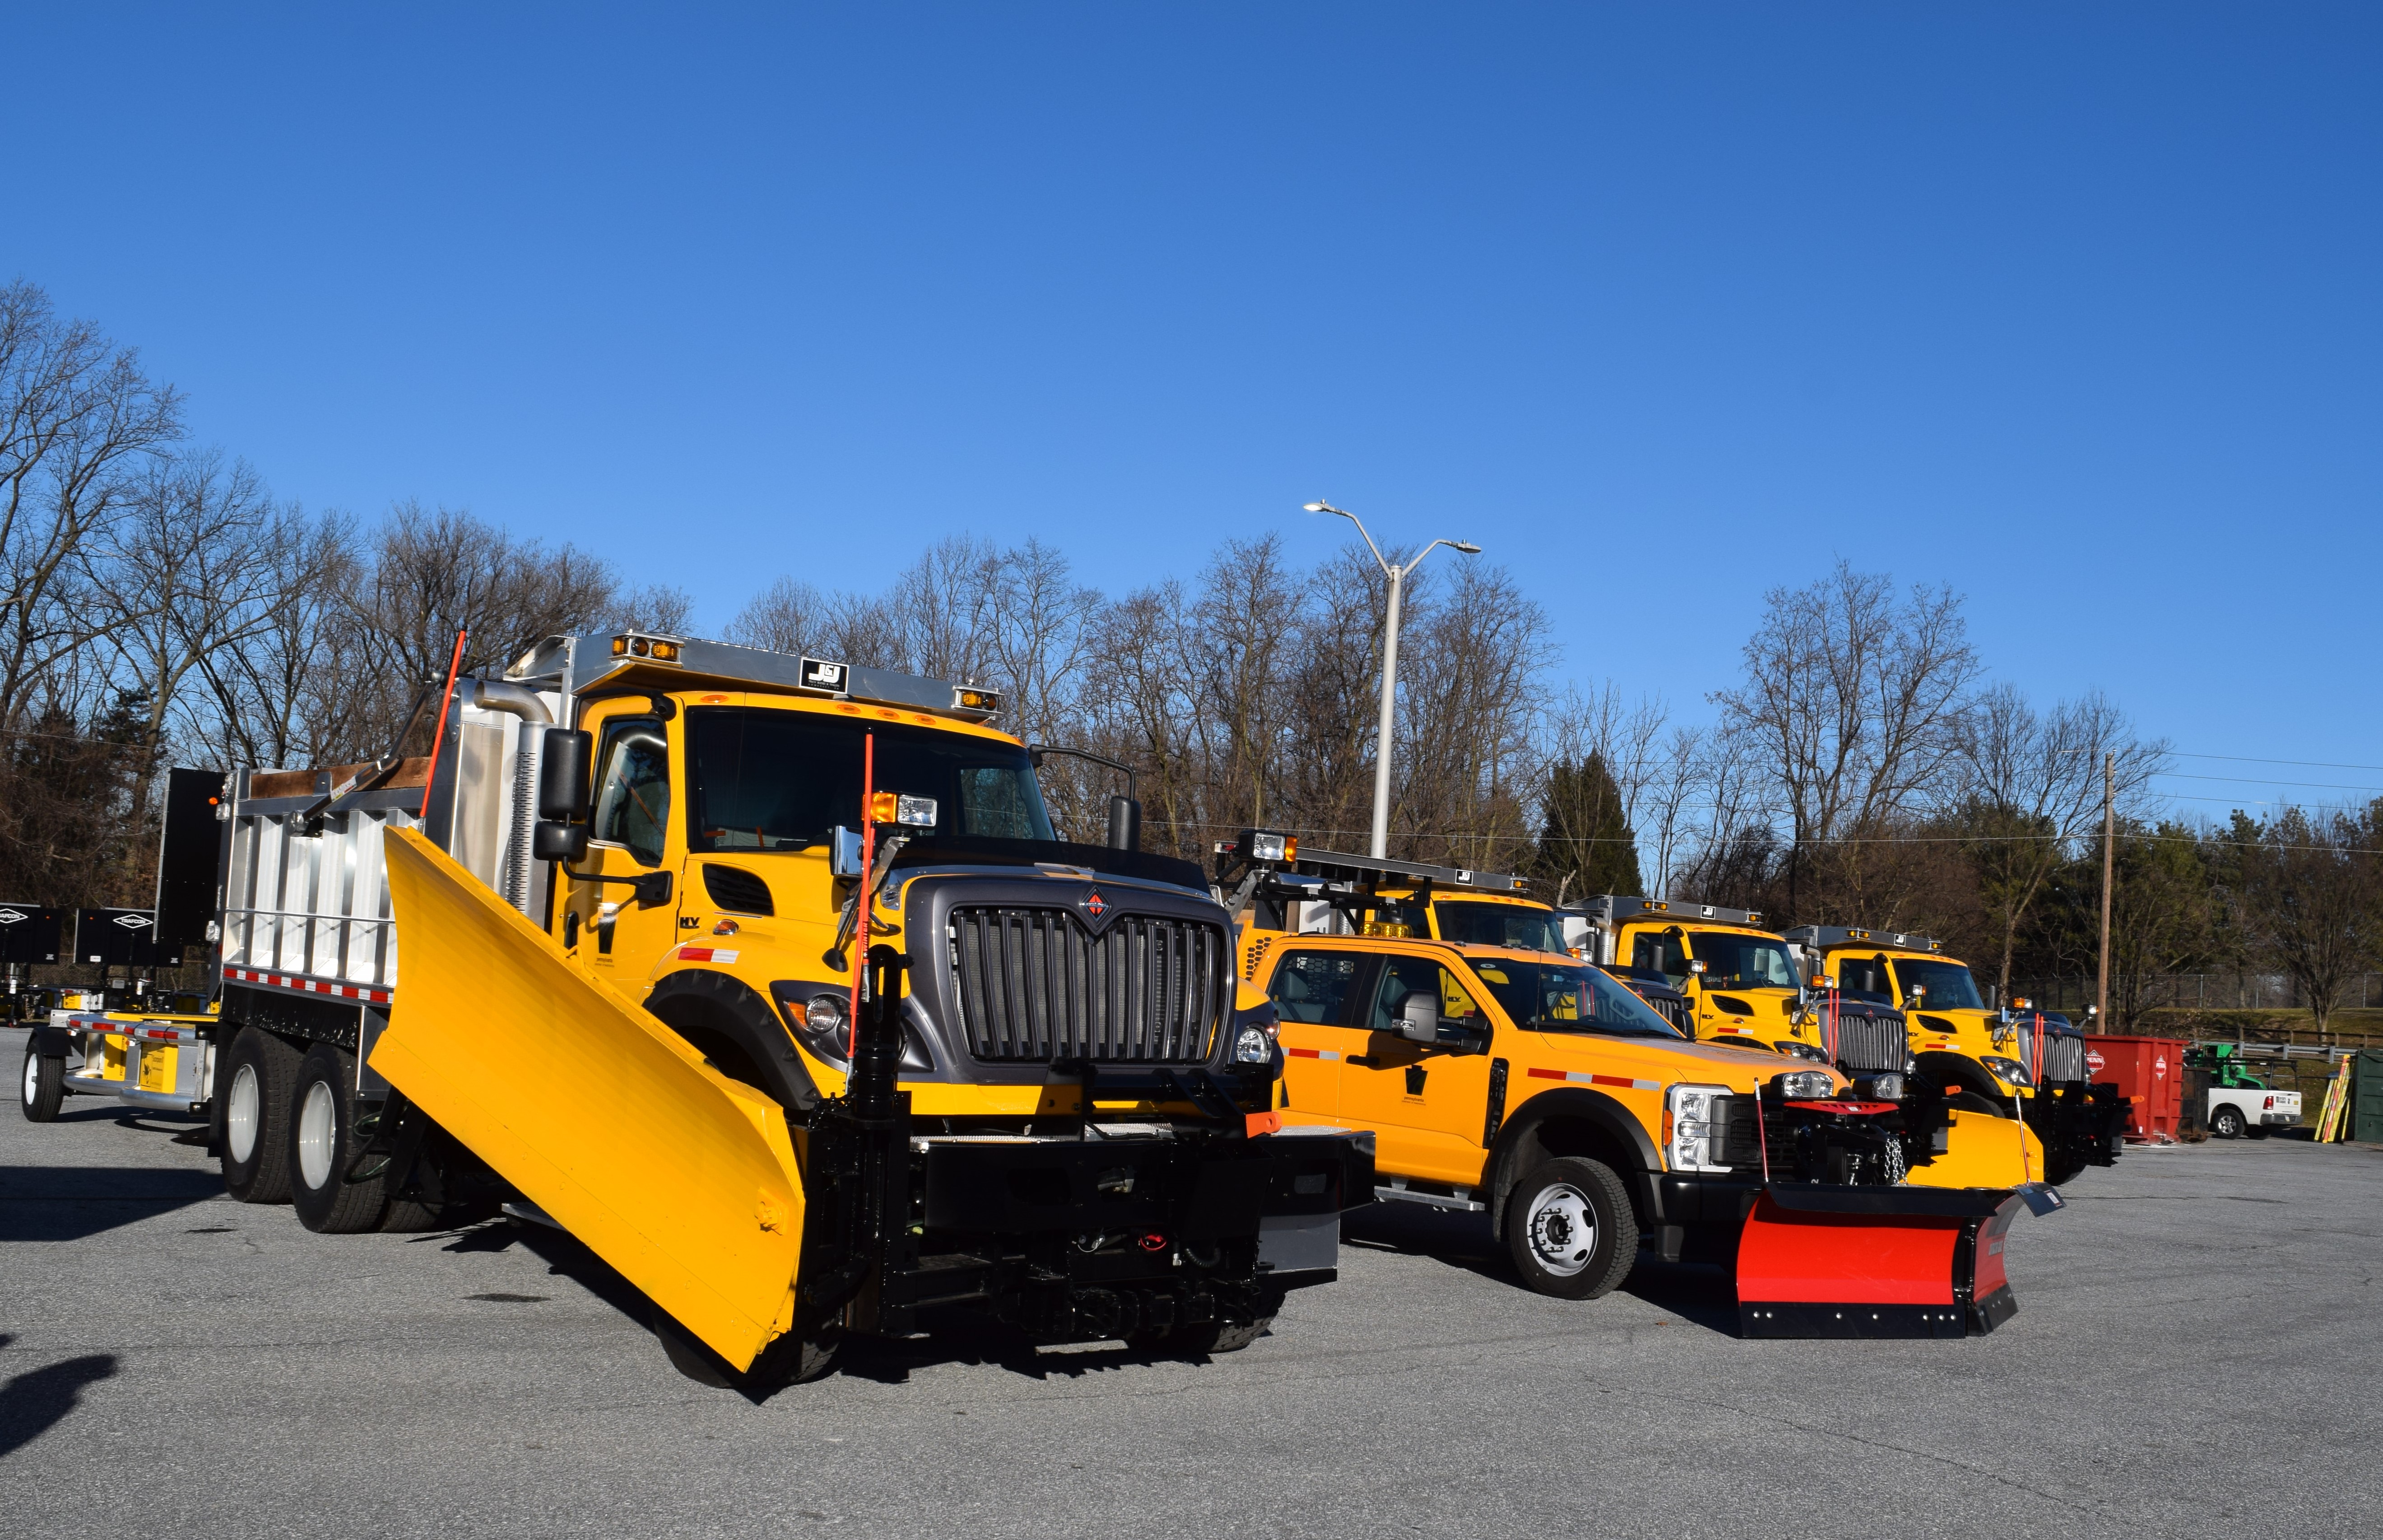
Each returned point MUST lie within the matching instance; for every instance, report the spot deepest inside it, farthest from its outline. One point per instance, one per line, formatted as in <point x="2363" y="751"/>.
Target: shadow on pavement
<point x="38" y="1399"/>
<point x="73" y="1203"/>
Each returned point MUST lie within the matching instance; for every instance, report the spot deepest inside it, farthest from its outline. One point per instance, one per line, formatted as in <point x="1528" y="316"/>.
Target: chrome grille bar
<point x="1033" y="985"/>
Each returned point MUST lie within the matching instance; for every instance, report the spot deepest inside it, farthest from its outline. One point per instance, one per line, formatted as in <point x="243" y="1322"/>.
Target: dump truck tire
<point x="44" y="1085"/>
<point x="323" y="1145"/>
<point x="2227" y="1122"/>
<point x="258" y="1068"/>
<point x="1569" y="1229"/>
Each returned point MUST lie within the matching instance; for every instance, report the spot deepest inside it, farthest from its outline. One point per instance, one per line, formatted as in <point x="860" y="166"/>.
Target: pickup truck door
<point x="1317" y="994"/>
<point x="1427" y="1104"/>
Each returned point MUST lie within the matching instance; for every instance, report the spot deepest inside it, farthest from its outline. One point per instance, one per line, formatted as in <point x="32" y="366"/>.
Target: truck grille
<point x="2057" y="1057"/>
<point x="1675" y="1011"/>
<point x="1032" y="986"/>
<point x="1872" y="1045"/>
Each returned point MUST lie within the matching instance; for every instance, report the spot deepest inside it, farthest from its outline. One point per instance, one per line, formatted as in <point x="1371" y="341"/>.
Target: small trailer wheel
<point x="322" y="1146"/>
<point x="254" y="1081"/>
<point x="2227" y="1122"/>
<point x="44" y="1085"/>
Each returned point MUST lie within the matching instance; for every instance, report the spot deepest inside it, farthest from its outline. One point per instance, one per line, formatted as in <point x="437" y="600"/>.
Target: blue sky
<point x="2072" y="307"/>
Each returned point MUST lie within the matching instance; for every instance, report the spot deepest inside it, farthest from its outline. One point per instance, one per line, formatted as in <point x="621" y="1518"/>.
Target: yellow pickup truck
<point x="1540" y="1090"/>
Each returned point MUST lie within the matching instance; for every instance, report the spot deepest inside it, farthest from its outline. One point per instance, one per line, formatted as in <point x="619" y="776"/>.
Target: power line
<point x="2254" y="759"/>
<point x="2261" y="780"/>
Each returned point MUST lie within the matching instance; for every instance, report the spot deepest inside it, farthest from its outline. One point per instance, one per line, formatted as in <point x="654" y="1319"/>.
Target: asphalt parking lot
<point x="2192" y="1354"/>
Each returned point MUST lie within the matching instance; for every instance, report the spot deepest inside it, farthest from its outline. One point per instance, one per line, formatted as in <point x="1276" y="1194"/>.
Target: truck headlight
<point x="1688" y="1113"/>
<point x="1795" y="1050"/>
<point x="1881" y="1088"/>
<point x="1252" y="1046"/>
<point x="2009" y="1071"/>
<point x="821" y="1023"/>
<point x="1806" y="1085"/>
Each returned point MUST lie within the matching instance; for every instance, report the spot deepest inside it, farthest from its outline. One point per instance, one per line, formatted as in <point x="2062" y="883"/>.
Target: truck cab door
<point x="1427" y="1105"/>
<point x="611" y="929"/>
<point x="1317" y="993"/>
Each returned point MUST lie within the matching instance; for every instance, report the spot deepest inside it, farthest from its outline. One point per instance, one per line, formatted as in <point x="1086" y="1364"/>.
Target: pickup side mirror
<point x="844" y="852"/>
<point x="1419" y="1017"/>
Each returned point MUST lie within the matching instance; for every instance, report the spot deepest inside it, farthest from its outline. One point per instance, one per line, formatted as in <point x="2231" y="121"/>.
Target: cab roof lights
<point x="595" y="659"/>
<point x="1613" y="909"/>
<point x="1335" y="867"/>
<point x="1826" y="937"/>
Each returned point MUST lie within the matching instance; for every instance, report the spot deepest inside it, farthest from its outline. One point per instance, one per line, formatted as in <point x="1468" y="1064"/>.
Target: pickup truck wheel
<point x="2227" y="1122"/>
<point x="1569" y="1229"/>
<point x="44" y="1085"/>
<point x="257" y="1070"/>
<point x="323" y="1145"/>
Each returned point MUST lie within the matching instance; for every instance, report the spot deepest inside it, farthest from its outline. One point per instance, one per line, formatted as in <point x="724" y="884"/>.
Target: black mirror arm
<point x="1034" y="753"/>
<point x="653" y="887"/>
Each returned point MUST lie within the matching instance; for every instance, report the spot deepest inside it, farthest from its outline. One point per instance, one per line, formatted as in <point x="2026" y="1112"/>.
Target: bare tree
<point x="1858" y="701"/>
<point x="2032" y="786"/>
<point x="78" y="418"/>
<point x="2317" y="900"/>
<point x="276" y="699"/>
<point x="657" y="607"/>
<point x="173" y="580"/>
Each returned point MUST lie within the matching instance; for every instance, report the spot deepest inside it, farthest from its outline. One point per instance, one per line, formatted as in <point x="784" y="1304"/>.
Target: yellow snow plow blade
<point x="684" y="1181"/>
<point x="1983" y="1150"/>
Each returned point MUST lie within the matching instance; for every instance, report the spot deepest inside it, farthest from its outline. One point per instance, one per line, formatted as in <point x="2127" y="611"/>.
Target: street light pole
<point x="1398" y="576"/>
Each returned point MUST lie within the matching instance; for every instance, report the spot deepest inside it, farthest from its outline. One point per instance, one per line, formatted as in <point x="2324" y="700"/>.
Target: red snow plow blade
<point x="1880" y="1261"/>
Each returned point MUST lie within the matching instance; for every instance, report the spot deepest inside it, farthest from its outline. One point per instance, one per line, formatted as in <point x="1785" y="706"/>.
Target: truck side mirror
<point x="1125" y="823"/>
<point x="563" y="774"/>
<point x="1419" y="1017"/>
<point x="844" y="851"/>
<point x="550" y="841"/>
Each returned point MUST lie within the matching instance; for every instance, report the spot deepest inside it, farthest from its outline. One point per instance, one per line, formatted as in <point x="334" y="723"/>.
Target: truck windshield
<point x="1569" y="997"/>
<point x="1948" y="985"/>
<point x="1474" y="924"/>
<point x="763" y="780"/>
<point x="1743" y="962"/>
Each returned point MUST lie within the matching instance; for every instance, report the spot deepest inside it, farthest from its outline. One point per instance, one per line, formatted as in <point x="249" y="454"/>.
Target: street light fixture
<point x="1398" y="576"/>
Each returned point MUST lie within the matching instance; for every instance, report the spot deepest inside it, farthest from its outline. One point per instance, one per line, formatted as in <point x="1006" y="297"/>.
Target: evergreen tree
<point x="1586" y="845"/>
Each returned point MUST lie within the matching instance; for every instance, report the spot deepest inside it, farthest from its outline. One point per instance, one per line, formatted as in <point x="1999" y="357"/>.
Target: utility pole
<point x="1397" y="575"/>
<point x="2109" y="865"/>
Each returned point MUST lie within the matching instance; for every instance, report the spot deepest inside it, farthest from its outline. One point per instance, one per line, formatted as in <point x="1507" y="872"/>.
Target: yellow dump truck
<point x="1985" y="1061"/>
<point x="768" y="979"/>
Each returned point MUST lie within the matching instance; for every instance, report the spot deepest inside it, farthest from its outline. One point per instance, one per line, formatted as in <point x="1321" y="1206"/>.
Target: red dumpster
<point x="2149" y="1073"/>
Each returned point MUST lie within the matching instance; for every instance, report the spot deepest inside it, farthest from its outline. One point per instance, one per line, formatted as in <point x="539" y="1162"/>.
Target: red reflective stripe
<point x="1303" y="1052"/>
<point x="1622" y="1080"/>
<point x="1547" y="1074"/>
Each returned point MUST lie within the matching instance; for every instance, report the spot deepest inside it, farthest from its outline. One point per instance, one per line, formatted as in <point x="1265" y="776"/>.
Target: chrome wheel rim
<point x="33" y="1078"/>
<point x="318" y="1123"/>
<point x="1563" y="1230"/>
<point x="239" y="1114"/>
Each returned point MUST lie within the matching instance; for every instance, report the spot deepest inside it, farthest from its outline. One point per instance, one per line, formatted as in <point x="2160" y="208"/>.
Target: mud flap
<point x="684" y="1181"/>
<point x="1880" y="1261"/>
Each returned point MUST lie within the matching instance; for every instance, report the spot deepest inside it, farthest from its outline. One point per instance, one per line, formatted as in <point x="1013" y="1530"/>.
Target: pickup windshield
<point x="1478" y="924"/>
<point x="1569" y="997"/>
<point x="779" y="781"/>
<point x="1743" y="962"/>
<point x="1948" y="985"/>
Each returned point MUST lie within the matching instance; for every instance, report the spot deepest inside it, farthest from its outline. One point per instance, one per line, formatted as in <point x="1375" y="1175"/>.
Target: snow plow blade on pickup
<point x="1818" y="1261"/>
<point x="683" y="1180"/>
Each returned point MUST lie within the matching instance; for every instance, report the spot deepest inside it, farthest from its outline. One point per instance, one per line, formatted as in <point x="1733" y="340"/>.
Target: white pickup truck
<point x="2234" y="1110"/>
